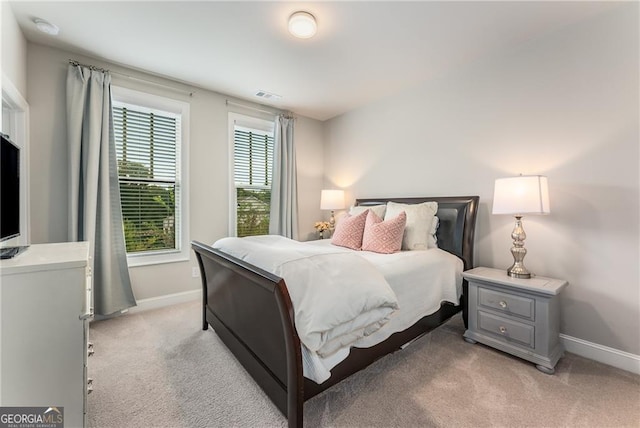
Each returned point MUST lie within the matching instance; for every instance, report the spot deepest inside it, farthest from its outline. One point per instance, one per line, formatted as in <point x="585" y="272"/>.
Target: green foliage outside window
<point x="253" y="211"/>
<point x="151" y="228"/>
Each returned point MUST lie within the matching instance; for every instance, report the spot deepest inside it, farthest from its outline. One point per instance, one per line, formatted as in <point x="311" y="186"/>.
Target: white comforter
<point x="421" y="281"/>
<point x="338" y="297"/>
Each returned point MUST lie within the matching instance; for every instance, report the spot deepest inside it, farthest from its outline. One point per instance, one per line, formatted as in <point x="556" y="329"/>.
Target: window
<point x="151" y="149"/>
<point x="252" y="142"/>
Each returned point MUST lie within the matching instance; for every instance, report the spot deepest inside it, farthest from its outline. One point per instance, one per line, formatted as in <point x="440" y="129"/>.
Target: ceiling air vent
<point x="268" y="95"/>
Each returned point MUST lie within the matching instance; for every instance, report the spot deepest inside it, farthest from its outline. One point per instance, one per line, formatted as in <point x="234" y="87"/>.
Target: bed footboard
<point x="251" y="311"/>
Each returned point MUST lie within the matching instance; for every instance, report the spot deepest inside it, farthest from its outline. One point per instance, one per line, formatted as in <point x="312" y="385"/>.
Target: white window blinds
<point x="147" y="149"/>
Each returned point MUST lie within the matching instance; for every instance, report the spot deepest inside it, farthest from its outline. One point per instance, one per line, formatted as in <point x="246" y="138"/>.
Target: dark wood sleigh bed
<point x="251" y="311"/>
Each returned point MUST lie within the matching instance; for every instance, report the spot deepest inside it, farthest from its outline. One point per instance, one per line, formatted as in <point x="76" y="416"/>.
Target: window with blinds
<point x="253" y="163"/>
<point x="148" y="149"/>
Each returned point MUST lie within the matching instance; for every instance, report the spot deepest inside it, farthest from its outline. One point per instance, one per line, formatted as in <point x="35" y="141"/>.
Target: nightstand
<point x="518" y="316"/>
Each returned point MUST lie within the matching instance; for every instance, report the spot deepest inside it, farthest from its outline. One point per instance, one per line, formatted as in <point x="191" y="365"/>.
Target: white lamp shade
<point x="332" y="200"/>
<point x="526" y="194"/>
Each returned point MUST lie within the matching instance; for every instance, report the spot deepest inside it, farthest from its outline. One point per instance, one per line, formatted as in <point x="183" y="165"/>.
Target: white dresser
<point x="45" y="309"/>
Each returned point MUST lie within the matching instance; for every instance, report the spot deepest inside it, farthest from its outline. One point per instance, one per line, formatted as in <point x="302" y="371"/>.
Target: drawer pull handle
<point x="503" y="329"/>
<point x="503" y="304"/>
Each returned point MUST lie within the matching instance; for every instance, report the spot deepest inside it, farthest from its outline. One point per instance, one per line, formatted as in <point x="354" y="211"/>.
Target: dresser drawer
<point x="507" y="303"/>
<point x="511" y="330"/>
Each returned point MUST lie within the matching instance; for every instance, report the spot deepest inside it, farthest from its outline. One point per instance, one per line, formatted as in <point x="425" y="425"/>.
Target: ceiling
<point x="363" y="51"/>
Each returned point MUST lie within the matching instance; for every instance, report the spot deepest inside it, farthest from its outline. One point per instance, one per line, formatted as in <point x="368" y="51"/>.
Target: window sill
<point x="135" y="260"/>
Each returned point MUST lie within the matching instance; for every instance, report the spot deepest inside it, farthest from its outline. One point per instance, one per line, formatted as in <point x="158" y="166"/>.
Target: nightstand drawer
<point x="509" y="329"/>
<point x="507" y="303"/>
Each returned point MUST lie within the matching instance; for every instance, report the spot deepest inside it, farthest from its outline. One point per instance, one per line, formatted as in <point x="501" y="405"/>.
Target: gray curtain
<point x="95" y="214"/>
<point x="284" y="193"/>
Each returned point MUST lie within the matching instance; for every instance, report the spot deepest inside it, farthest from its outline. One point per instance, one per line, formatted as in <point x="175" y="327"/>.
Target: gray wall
<point x="565" y="106"/>
<point x="208" y="171"/>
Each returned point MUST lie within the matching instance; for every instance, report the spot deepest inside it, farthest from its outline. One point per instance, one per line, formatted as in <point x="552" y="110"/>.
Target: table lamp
<point x="525" y="194"/>
<point x="332" y="200"/>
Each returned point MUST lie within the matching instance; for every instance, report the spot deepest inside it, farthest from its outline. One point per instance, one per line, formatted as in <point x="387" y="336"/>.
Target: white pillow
<point x="432" y="240"/>
<point x="420" y="219"/>
<point x="378" y="210"/>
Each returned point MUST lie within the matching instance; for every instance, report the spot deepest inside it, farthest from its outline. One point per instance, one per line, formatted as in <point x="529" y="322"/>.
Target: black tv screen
<point x="9" y="189"/>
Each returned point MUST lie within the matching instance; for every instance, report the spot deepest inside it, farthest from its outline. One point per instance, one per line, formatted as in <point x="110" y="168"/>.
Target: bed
<point x="251" y="311"/>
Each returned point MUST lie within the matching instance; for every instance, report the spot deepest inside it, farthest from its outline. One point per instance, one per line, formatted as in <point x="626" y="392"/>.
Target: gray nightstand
<point x="518" y="316"/>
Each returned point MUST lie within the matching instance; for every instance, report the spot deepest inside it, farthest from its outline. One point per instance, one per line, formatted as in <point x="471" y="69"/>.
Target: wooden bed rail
<point x="251" y="311"/>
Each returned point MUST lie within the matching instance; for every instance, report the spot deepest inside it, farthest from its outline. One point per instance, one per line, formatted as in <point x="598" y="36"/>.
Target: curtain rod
<point x="92" y="67"/>
<point x="104" y="70"/>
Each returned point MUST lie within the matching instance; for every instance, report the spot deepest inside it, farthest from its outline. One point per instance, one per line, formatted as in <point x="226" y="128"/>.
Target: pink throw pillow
<point x="349" y="231"/>
<point x="383" y="236"/>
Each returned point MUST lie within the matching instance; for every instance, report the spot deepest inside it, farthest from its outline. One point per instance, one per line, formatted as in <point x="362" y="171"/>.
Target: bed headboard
<point x="457" y="216"/>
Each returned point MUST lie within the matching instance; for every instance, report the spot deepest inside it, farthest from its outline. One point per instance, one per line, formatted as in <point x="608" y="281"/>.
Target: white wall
<point x="309" y="132"/>
<point x="565" y="106"/>
<point x="208" y="172"/>
<point x="14" y="50"/>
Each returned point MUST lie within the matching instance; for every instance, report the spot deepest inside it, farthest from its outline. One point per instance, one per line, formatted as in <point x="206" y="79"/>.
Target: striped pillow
<point x="349" y="231"/>
<point x="383" y="236"/>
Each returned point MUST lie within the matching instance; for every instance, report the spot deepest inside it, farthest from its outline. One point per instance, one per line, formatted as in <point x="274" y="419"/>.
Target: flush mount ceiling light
<point x="46" y="27"/>
<point x="302" y="25"/>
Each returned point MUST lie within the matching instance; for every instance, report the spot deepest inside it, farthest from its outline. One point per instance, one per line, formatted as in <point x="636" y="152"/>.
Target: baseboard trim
<point x="168" y="300"/>
<point x="603" y="354"/>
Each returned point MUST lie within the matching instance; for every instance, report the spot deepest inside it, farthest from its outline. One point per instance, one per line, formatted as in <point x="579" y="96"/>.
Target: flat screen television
<point x="9" y="189"/>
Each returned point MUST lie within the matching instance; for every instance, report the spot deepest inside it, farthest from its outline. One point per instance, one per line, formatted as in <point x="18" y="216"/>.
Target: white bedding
<point x="338" y="298"/>
<point x="420" y="280"/>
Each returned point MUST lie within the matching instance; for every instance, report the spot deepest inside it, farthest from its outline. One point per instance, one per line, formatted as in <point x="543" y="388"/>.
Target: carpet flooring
<point x="159" y="369"/>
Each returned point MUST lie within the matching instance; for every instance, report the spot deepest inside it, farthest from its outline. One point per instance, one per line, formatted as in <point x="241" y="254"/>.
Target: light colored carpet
<point x="159" y="369"/>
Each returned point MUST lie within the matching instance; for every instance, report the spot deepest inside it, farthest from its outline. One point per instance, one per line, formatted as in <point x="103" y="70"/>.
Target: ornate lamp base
<point x="517" y="269"/>
<point x="332" y="221"/>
